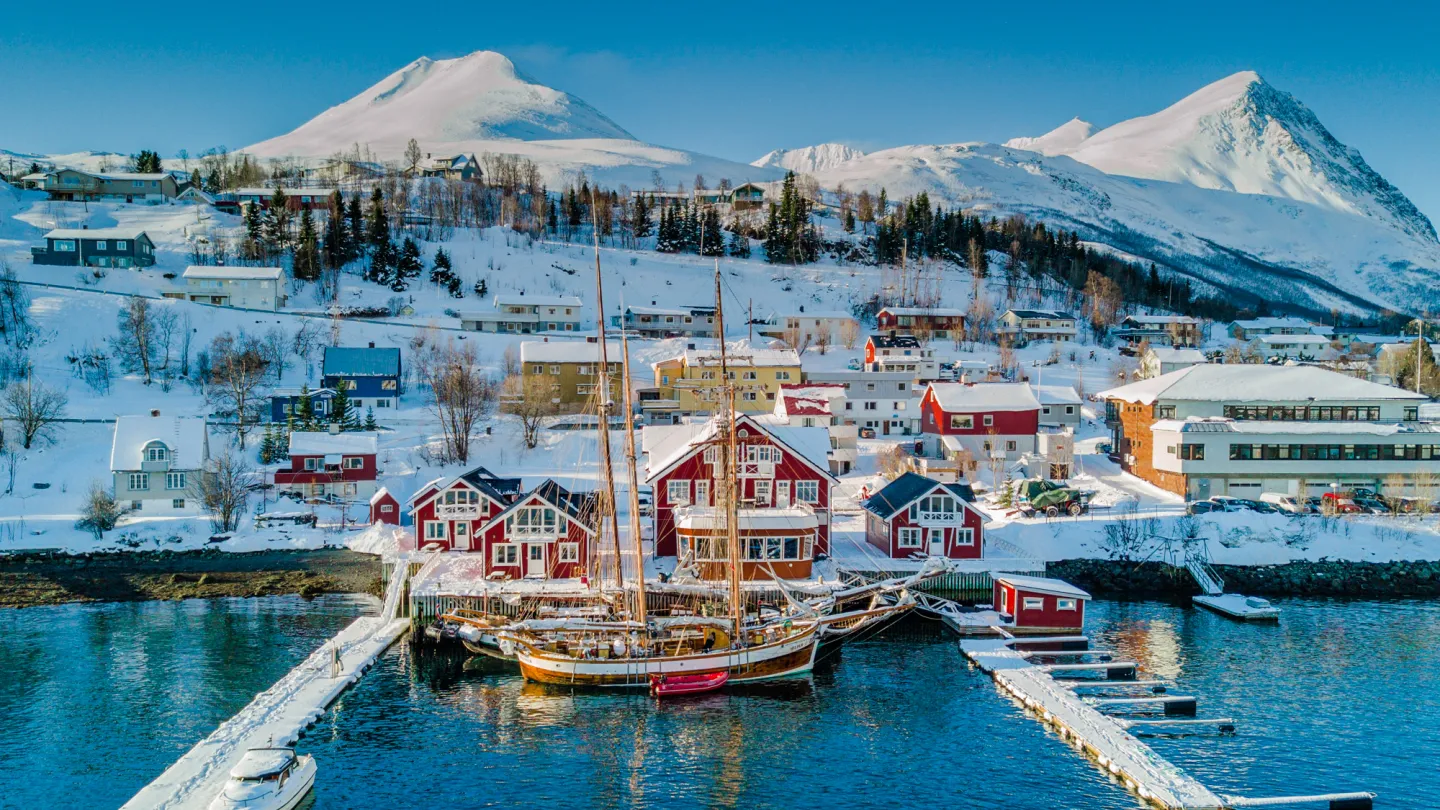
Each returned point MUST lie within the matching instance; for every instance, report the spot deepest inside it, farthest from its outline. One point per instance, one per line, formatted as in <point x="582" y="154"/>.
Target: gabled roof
<point x="1162" y="320"/>
<point x="185" y="437"/>
<point x="1045" y="585"/>
<point x="320" y="443"/>
<point x="894" y="341"/>
<point x="1166" y="354"/>
<point x="233" y="272"/>
<point x="97" y="233"/>
<point x="1032" y="314"/>
<point x="1273" y="323"/>
<point x="1214" y="382"/>
<point x="568" y="351"/>
<point x="537" y="301"/>
<point x="910" y="487"/>
<point x="361" y="361"/>
<point x="976" y="397"/>
<point x="939" y="312"/>
<point x="809" y="399"/>
<point x="578" y="506"/>
<point x="380" y="494"/>
<point x="668" y="445"/>
<point x="743" y="357"/>
<point x="1057" y="395"/>
<point x="497" y="489"/>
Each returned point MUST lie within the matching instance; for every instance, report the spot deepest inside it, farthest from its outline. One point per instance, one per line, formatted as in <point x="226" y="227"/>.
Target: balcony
<point x="939" y="518"/>
<point x="457" y="511"/>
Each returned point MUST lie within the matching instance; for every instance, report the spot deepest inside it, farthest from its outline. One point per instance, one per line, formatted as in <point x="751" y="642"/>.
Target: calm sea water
<point x="95" y="701"/>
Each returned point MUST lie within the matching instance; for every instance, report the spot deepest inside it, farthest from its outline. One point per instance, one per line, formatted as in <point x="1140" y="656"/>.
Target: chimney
<point x="802" y="307"/>
<point x="154" y="411"/>
<point x="334" y="429"/>
<point x="84" y="227"/>
<point x="372" y="344"/>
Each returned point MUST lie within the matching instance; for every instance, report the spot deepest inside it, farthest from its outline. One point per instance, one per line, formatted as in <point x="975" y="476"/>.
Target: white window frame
<point x="156" y="452"/>
<point x="1032" y="603"/>
<point x="171" y="479"/>
<point x="764" y="492"/>
<point x="702" y="492"/>
<point x="351" y="462"/>
<point x="139" y="482"/>
<point x="507" y="554"/>
<point x="535" y="523"/>
<point x="988" y="420"/>
<point x="568" y="553"/>
<point x="965" y="537"/>
<point x="672" y="489"/>
<point x="1065" y="604"/>
<point x="802" y="487"/>
<point x="909" y="537"/>
<point x="962" y="421"/>
<point x="443" y="534"/>
<point x="312" y="463"/>
<point x="782" y="493"/>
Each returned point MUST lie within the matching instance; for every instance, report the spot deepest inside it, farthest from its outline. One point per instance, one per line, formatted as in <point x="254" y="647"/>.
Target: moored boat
<point x="267" y="779"/>
<point x="682" y="685"/>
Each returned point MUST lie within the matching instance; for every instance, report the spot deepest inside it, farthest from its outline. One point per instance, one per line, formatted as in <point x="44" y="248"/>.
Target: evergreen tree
<point x="333" y="247"/>
<point x="354" y="230"/>
<point x="739" y="244"/>
<point x="277" y="222"/>
<point x="341" y="412"/>
<point x="849" y="221"/>
<point x="641" y="226"/>
<point x="383" y="262"/>
<point x="481" y="288"/>
<point x="377" y="225"/>
<point x="267" y="445"/>
<point x="254" y="235"/>
<point x="306" y="264"/>
<point x="370" y="419"/>
<point x="304" y="411"/>
<point x="666" y="240"/>
<point x="147" y="162"/>
<point x="712" y="238"/>
<point x="551" y="220"/>
<point x="441" y="272"/>
<point x="457" y="290"/>
<point x="407" y="265"/>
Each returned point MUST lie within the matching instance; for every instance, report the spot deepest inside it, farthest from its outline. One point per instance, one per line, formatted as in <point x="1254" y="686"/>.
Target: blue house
<point x="284" y="400"/>
<point x="371" y="376"/>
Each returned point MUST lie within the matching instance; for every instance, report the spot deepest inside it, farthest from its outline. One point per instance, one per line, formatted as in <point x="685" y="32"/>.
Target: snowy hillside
<point x="810" y="159"/>
<point x="1241" y="134"/>
<point x="1310" y="255"/>
<point x="481" y="103"/>
<point x="1058" y="141"/>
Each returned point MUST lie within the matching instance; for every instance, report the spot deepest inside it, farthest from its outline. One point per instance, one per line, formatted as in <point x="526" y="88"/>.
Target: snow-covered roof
<point x="709" y="517"/>
<point x="1040" y="314"/>
<point x="1398" y="348"/>
<point x="1057" y="395"/>
<point x="231" y="272"/>
<point x="568" y="351"/>
<point x="96" y="233"/>
<point x="809" y="399"/>
<point x="657" y="311"/>
<point x="820" y="315"/>
<point x="1166" y="354"/>
<point x="1273" y="323"/>
<point x="743" y="357"/>
<point x="939" y="312"/>
<point x="289" y="192"/>
<point x="665" y="445"/>
<point x="1213" y="382"/>
<point x="184" y="437"/>
<point x="260" y="762"/>
<point x="964" y="397"/>
<point x="1267" y="427"/>
<point x="1307" y="339"/>
<point x="380" y="494"/>
<point x="320" y="443"/>
<point x="1045" y="585"/>
<point x="537" y="301"/>
<point x="1162" y="320"/>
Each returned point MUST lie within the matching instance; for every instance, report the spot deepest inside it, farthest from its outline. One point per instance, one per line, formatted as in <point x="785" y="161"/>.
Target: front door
<point x="937" y="542"/>
<point x="885" y="427"/>
<point x="534" y="559"/>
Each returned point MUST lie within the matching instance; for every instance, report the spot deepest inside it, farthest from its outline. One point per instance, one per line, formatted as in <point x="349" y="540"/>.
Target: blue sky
<point x="731" y="79"/>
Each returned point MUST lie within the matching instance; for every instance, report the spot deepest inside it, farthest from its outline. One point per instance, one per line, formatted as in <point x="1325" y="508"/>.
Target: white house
<point x="1255" y="327"/>
<point x="526" y="314"/>
<point x="887" y="402"/>
<point x="1059" y="405"/>
<point x="822" y="405"/>
<point x="1287" y="346"/>
<point x="809" y="328"/>
<point x="156" y="460"/>
<point x="1037" y="324"/>
<point x="1159" y="360"/>
<point x="242" y="287"/>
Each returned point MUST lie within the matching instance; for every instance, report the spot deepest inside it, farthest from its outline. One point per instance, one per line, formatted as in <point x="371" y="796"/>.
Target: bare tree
<point x="796" y="339"/>
<point x="238" y="366"/>
<point x="35" y="408"/>
<point x="413" y="155"/>
<point x="165" y="323"/>
<point x="824" y="336"/>
<point x="134" y="344"/>
<point x="15" y="327"/>
<point x="187" y="334"/>
<point x="100" y="512"/>
<point x="849" y="333"/>
<point x="223" y="489"/>
<point x="309" y="336"/>
<point x="276" y="347"/>
<point x="531" y="399"/>
<point x="460" y="392"/>
<point x="510" y="361"/>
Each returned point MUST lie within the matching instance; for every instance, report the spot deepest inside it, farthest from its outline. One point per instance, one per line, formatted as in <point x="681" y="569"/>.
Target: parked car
<point x="1203" y="507"/>
<point x="1229" y="503"/>
<point x="855" y="364"/>
<point x="646" y="499"/>
<point x="1285" y="503"/>
<point x="1260" y="506"/>
<point x="1104" y="448"/>
<point x="1404" y="505"/>
<point x="1334" y="502"/>
<point x="1374" y="506"/>
<point x="1312" y="505"/>
<point x="867" y="433"/>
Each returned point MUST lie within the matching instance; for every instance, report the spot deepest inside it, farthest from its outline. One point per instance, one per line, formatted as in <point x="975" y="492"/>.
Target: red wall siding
<point x="886" y="536"/>
<point x="554" y="569"/>
<point x="1005" y="423"/>
<point x="392" y="517"/>
<point x="1046" y="617"/>
<point x="297" y="474"/>
<point x="426" y="513"/>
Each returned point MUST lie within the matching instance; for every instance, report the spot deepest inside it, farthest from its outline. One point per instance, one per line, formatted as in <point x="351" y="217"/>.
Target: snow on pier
<point x="280" y="714"/>
<point x="1105" y="738"/>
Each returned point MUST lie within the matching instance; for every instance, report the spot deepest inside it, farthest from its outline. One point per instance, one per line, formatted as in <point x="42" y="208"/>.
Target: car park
<point x="1203" y="507"/>
<point x="1285" y="503"/>
<point x="1374" y="506"/>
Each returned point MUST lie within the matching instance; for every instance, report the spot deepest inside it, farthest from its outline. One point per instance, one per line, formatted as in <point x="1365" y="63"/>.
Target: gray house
<point x="887" y="402"/>
<point x="157" y="460"/>
<point x="101" y="247"/>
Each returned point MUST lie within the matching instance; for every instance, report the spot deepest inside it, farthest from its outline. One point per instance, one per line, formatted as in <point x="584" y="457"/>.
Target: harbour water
<point x="1339" y="696"/>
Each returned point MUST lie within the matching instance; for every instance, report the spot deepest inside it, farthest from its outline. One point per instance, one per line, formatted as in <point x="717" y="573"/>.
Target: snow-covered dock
<point x="1244" y="608"/>
<point x="280" y="714"/>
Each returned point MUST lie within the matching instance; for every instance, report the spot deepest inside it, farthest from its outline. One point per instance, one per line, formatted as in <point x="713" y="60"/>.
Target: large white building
<point x="1218" y="429"/>
<point x="243" y="287"/>
<point x="526" y="314"/>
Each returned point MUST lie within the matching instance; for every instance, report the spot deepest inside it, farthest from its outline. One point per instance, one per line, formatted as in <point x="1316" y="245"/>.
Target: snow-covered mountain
<point x="1058" y="141"/>
<point x="482" y="103"/>
<point x="810" y="159"/>
<point x="1241" y="134"/>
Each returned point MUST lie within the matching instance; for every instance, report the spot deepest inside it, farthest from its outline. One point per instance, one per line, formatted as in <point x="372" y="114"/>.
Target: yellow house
<point x="573" y="368"/>
<point x="690" y="383"/>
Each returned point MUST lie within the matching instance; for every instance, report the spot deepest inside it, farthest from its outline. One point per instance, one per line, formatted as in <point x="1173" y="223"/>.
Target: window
<point x="387" y="508"/>
<point x="1010" y="446"/>
<point x="1034" y="603"/>
<point x="1165" y="411"/>
<point x="462" y="529"/>
<point x="139" y="481"/>
<point x="121" y="244"/>
<point x="749" y="375"/>
<point x="505" y="554"/>
<point x="782" y="375"/>
<point x="100" y="244"/>
<point x="569" y="552"/>
<point x="782" y="493"/>
<point x="537" y="369"/>
<point x="869" y="386"/>
<point x="962" y="421"/>
<point x="678" y="492"/>
<point x="1069" y="410"/>
<point x="352" y="462"/>
<point x="177" y="503"/>
<point x="64" y="246"/>
<point x="1064" y="604"/>
<point x="155" y="452"/>
<point x="435" y="530"/>
<point x="871" y="406"/>
<point x="531" y="521"/>
<point x="748" y="396"/>
<point x="175" y="480"/>
<point x="1192" y="452"/>
<point x="965" y="537"/>
<point x="774" y="548"/>
<point x="135" y="505"/>
<point x="909" y="537"/>
<point x="555" y="371"/>
<point x="807" y="492"/>
<point x="388" y="385"/>
<point x="762" y="493"/>
<point x="312" y="463"/>
<point x="702" y="493"/>
<point x="989" y="420"/>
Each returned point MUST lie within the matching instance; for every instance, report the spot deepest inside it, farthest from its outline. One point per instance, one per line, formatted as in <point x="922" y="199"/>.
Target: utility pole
<point x="751" y="319"/>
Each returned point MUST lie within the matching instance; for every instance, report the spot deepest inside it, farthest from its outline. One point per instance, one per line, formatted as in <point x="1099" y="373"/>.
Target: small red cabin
<point x="918" y="515"/>
<point x="336" y="465"/>
<point x="384" y="508"/>
<point x="1040" y="604"/>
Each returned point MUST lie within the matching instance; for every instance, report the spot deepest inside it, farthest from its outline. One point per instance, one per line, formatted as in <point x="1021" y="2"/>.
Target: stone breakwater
<point x="1114" y="578"/>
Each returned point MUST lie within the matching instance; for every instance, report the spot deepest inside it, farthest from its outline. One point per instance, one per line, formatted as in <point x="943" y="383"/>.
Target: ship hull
<point x="784" y="658"/>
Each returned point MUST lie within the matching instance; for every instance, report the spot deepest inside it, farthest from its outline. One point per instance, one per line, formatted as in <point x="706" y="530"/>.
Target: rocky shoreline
<point x="28" y="580"/>
<point x="1113" y="578"/>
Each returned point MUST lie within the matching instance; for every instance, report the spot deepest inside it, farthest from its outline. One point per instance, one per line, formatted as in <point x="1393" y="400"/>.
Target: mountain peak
<point x="481" y="96"/>
<point x="1058" y="141"/>
<point x="809" y="159"/>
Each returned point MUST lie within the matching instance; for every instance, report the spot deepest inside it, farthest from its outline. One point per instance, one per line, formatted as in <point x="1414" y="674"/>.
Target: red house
<point x="981" y="418"/>
<point x="916" y="515"/>
<point x="784" y="486"/>
<point x="1039" y="604"/>
<point x="936" y="322"/>
<point x="384" y="508"/>
<point x="330" y="465"/>
<point x="547" y="533"/>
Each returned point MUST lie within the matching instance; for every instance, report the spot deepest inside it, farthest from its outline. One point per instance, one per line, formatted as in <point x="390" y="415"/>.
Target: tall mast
<point x="607" y="495"/>
<point x="635" y="535"/>
<point x="726" y="419"/>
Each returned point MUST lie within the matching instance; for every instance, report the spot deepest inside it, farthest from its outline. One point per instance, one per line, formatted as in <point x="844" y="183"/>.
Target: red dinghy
<point x="677" y="685"/>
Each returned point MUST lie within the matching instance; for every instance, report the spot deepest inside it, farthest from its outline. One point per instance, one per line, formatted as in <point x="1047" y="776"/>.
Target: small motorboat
<point x="679" y="685"/>
<point x="267" y="779"/>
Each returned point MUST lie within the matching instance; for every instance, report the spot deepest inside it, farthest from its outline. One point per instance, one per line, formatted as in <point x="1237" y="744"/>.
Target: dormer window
<point x="156" y="452"/>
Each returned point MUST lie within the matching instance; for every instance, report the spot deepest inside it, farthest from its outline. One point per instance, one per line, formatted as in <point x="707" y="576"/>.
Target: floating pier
<point x="278" y="716"/>
<point x="1244" y="608"/>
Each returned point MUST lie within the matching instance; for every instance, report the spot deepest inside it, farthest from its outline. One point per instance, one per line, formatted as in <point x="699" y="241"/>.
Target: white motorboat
<point x="267" y="779"/>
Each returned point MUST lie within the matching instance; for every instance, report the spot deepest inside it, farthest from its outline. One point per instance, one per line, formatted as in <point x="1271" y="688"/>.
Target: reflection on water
<point x="96" y="700"/>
